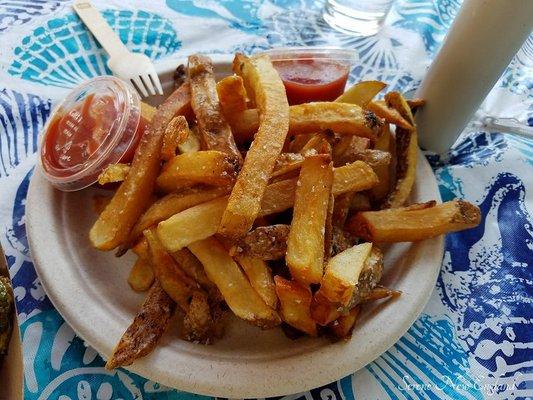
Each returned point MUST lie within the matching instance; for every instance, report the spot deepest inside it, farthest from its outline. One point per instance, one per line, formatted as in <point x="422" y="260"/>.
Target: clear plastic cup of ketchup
<point x="312" y="73"/>
<point x="99" y="123"/>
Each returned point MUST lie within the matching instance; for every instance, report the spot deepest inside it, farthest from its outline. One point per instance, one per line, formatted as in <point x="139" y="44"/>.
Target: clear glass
<point x="357" y="17"/>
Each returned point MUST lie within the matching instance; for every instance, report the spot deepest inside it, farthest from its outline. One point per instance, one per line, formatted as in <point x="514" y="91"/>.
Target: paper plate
<point x="89" y="289"/>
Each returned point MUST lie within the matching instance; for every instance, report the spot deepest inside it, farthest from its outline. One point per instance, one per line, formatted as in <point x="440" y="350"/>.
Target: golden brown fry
<point x="390" y="115"/>
<point x="260" y="276"/>
<point x="342" y="328"/>
<point x="318" y="144"/>
<point x="341" y="118"/>
<point x="148" y="326"/>
<point x="380" y="292"/>
<point x="147" y="111"/>
<point x="299" y="141"/>
<point x="406" y="154"/>
<point x="198" y="324"/>
<point x="133" y="196"/>
<point x="174" y="203"/>
<point x="141" y="275"/>
<point x="415" y="104"/>
<point x="232" y="95"/>
<point x="189" y="264"/>
<point x="202" y="220"/>
<point x="176" y="133"/>
<point x="245" y="199"/>
<point x="208" y="167"/>
<point x="408" y="225"/>
<point x="287" y="166"/>
<point x="173" y="280"/>
<point x="265" y="243"/>
<point x="346" y="147"/>
<point x="212" y="125"/>
<point x="305" y="244"/>
<point x="383" y="143"/>
<point x="192" y="143"/>
<point x="241" y="298"/>
<point x="323" y="311"/>
<point x="342" y="272"/>
<point x="369" y="277"/>
<point x="141" y="249"/>
<point x="295" y="305"/>
<point x="361" y="93"/>
<point x="113" y="173"/>
<point x="328" y="228"/>
<point x="195" y="223"/>
<point x="353" y="177"/>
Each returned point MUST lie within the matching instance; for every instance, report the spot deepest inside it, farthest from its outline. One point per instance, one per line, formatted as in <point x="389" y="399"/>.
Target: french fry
<point x="147" y="327"/>
<point x="361" y="93"/>
<point x="173" y="280"/>
<point x="341" y="118"/>
<point x="260" y="276"/>
<point x="390" y="115"/>
<point x="201" y="221"/>
<point x="232" y="95"/>
<point x="360" y="202"/>
<point x="328" y="228"/>
<point x="380" y="292"/>
<point x="192" y="143"/>
<point x="345" y="149"/>
<point x="406" y="154"/>
<point x="287" y="166"/>
<point x="323" y="311"/>
<point x="176" y="133"/>
<point x="299" y="141"/>
<point x="295" y="305"/>
<point x="174" y="203"/>
<point x="114" y="224"/>
<point x="415" y="104"/>
<point x="212" y="125"/>
<point x="193" y="224"/>
<point x="410" y="225"/>
<point x="147" y="111"/>
<point x="198" y="324"/>
<point x="189" y="264"/>
<point x="141" y="276"/>
<point x="305" y="244"/>
<point x="113" y="173"/>
<point x="318" y="144"/>
<point x="265" y="243"/>
<point x="383" y="143"/>
<point x="353" y="177"/>
<point x="208" y="167"/>
<point x="342" y="328"/>
<point x="342" y="272"/>
<point x="141" y="249"/>
<point x="245" y="199"/>
<point x="240" y="297"/>
<point x="368" y="279"/>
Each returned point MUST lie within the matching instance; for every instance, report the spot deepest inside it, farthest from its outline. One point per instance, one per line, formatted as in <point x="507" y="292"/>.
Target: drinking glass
<point x="356" y="17"/>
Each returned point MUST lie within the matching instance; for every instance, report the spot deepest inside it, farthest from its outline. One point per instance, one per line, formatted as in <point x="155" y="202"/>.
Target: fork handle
<point x="100" y="29"/>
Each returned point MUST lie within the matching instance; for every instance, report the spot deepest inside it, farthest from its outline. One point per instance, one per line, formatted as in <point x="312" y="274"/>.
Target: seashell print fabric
<point x="473" y="339"/>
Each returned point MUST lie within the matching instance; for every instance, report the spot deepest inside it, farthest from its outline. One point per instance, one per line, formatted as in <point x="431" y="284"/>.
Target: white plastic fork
<point x="132" y="67"/>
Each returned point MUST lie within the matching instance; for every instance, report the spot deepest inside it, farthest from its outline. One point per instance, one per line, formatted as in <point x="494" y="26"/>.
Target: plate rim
<point x="219" y="388"/>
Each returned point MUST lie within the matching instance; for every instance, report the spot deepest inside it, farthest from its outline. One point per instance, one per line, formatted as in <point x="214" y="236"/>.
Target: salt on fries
<point x="236" y="200"/>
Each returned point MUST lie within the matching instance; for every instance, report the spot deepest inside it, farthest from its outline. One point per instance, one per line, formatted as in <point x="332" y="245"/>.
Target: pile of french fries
<point x="236" y="201"/>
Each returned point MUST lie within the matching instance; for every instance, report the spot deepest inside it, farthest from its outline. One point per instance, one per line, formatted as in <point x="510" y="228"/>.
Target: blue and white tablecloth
<point x="473" y="340"/>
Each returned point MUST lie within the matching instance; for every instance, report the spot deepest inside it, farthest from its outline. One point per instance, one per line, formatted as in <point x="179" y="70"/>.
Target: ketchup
<point x="308" y="79"/>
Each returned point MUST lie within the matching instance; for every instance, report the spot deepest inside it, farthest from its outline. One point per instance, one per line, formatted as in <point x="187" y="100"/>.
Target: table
<point x="473" y="339"/>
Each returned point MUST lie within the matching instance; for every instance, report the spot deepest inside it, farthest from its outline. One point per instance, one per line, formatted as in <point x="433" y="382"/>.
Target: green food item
<point x="6" y="311"/>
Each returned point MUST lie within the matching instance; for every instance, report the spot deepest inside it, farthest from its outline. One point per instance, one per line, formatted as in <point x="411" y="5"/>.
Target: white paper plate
<point x="90" y="291"/>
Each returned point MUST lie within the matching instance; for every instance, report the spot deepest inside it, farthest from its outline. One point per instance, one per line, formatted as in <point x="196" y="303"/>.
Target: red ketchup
<point x="308" y="80"/>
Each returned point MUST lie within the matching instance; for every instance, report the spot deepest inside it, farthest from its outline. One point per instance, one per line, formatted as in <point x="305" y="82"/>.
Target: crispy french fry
<point x="408" y="225"/>
<point x="245" y="199"/>
<point x="265" y="243"/>
<point x="342" y="328"/>
<point x="260" y="276"/>
<point x="342" y="272"/>
<point x="176" y="133"/>
<point x="193" y="224"/>
<point x="328" y="228"/>
<point x="383" y="143"/>
<point x="147" y="111"/>
<point x="369" y="277"/>
<point x="390" y="115"/>
<point x="415" y="104"/>
<point x="305" y="244"/>
<point x="319" y="143"/>
<point x="323" y="311"/>
<point x="192" y="143"/>
<point x="361" y="93"/>
<point x="299" y="141"/>
<point x="173" y="280"/>
<point x="287" y="166"/>
<point x="174" y="203"/>
<point x="208" y="167"/>
<point x="133" y="196"/>
<point x="141" y="249"/>
<point x="113" y="173"/>
<point x="141" y="275"/>
<point x="241" y="298"/>
<point x="213" y="127"/>
<point x="341" y="118"/>
<point x="380" y="292"/>
<point x="345" y="149"/>
<point x="198" y="324"/>
<point x="148" y="326"/>
<point x="189" y="264"/>
<point x="353" y="177"/>
<point x="232" y="95"/>
<point x="295" y="305"/>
